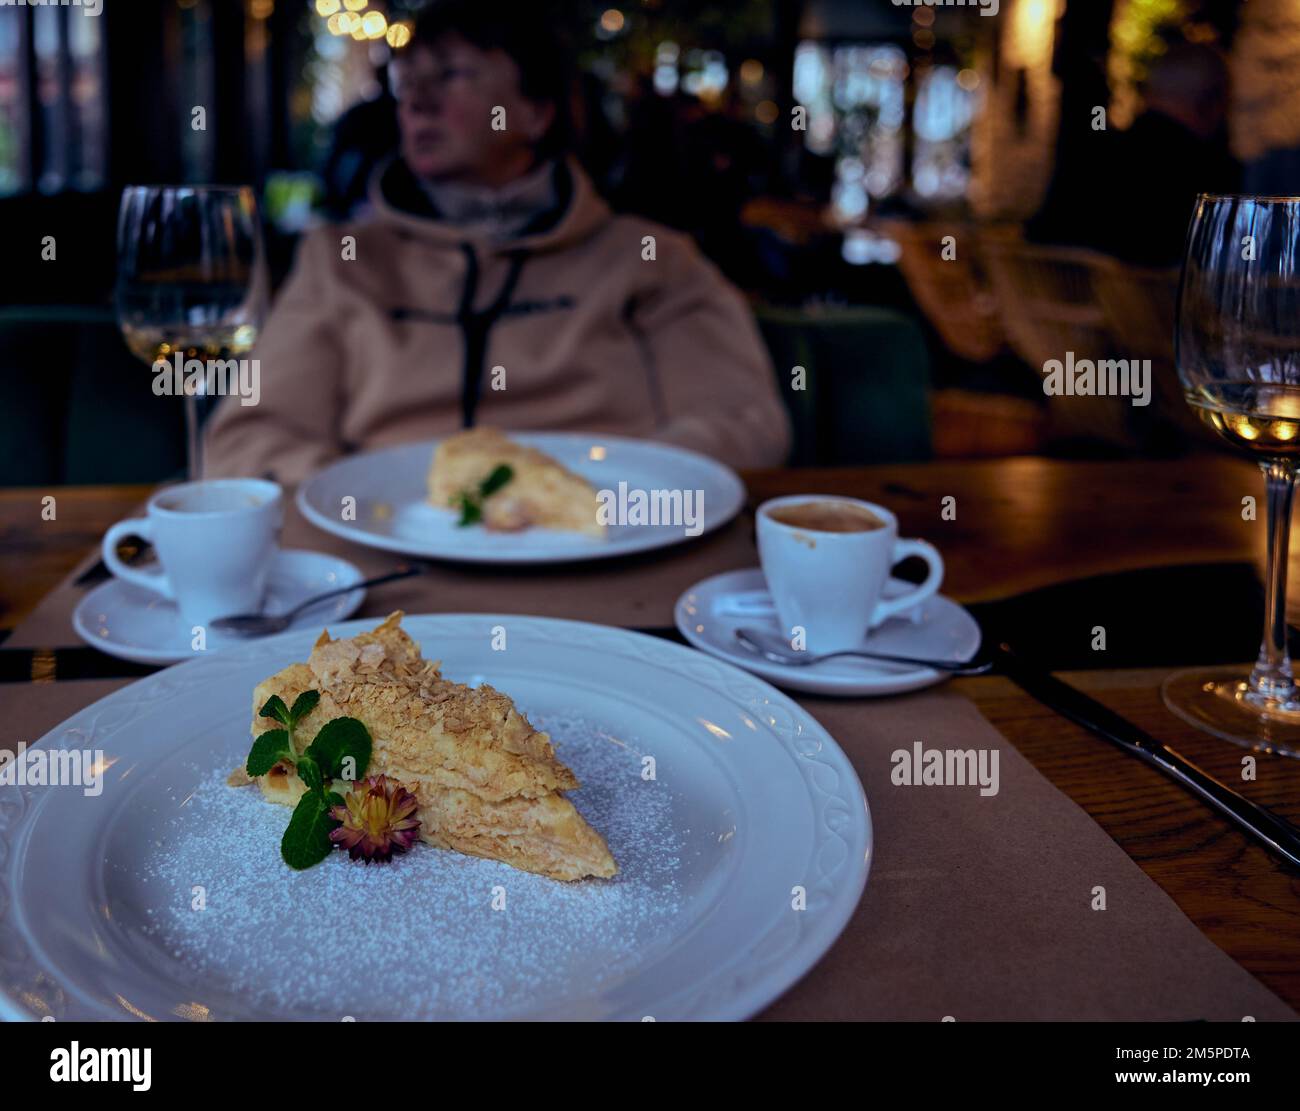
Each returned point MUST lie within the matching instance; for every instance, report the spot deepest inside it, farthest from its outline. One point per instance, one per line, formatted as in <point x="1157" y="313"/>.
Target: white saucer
<point x="709" y="613"/>
<point x="135" y="624"/>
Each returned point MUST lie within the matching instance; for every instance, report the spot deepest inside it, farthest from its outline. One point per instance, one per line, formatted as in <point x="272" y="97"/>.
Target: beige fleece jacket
<point x="384" y="348"/>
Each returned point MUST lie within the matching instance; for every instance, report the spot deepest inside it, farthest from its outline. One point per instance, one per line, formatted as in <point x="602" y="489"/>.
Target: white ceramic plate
<point x="393" y="513"/>
<point x="750" y="799"/>
<point x="709" y="613"/>
<point x="132" y="623"/>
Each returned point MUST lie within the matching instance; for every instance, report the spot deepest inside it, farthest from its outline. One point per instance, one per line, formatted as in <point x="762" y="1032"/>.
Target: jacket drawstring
<point x="475" y="326"/>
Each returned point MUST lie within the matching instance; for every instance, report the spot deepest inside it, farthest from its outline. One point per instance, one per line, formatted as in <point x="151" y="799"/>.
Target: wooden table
<point x="1018" y="524"/>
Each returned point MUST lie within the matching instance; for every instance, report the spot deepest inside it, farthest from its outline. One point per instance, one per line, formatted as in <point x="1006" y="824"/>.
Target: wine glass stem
<point x="194" y="439"/>
<point x="1272" y="680"/>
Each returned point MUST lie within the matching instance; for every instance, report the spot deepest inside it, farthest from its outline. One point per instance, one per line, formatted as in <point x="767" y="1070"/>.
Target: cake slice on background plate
<point x="539" y="492"/>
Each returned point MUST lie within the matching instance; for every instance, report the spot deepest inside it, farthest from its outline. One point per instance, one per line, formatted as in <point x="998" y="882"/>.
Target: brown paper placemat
<point x="978" y="908"/>
<point x="636" y="591"/>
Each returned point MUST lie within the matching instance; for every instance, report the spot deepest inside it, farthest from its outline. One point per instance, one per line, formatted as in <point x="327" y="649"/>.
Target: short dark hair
<point x="525" y="30"/>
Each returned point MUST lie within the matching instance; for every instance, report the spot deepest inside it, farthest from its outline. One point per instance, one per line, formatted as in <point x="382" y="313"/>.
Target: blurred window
<point x="52" y="90"/>
<point x="14" y="136"/>
<point x="856" y="103"/>
<point x="197" y="88"/>
<point x="88" y="152"/>
<point x="941" y="119"/>
<point x="855" y="95"/>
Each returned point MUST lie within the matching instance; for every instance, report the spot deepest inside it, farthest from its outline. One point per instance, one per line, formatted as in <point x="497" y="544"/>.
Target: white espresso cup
<point x="830" y="584"/>
<point x="215" y="542"/>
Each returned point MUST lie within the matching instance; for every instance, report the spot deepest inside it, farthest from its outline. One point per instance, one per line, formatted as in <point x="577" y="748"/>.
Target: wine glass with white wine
<point x="1237" y="347"/>
<point x="191" y="281"/>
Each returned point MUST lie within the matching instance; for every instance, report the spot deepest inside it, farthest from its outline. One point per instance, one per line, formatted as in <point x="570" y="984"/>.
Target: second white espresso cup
<point x="829" y="586"/>
<point x="215" y="542"/>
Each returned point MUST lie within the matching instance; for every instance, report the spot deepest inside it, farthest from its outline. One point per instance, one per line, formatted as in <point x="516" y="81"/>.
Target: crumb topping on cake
<point x="488" y="783"/>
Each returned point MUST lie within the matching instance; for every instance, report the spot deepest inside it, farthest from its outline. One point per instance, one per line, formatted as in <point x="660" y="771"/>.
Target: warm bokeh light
<point x="349" y="23"/>
<point x="1242" y="427"/>
<point x="611" y="21"/>
<point x="326" y="8"/>
<point x="969" y="80"/>
<point x="374" y="25"/>
<point x="355" y="5"/>
<point x="923" y="17"/>
<point x="751" y="71"/>
<point x="399" y="34"/>
<point x="335" y="23"/>
<point x="261" y="9"/>
<point x="766" y="111"/>
<point x="1033" y="28"/>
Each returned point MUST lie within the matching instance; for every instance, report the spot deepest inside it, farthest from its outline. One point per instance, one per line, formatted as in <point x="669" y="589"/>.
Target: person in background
<point x="491" y="285"/>
<point x="1137" y="202"/>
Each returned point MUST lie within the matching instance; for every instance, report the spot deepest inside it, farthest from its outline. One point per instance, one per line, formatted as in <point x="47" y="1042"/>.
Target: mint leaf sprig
<point x="274" y="745"/>
<point x="470" y="502"/>
<point x="340" y="750"/>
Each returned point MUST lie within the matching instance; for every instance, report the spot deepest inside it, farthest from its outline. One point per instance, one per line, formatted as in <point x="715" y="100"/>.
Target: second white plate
<point x="389" y="507"/>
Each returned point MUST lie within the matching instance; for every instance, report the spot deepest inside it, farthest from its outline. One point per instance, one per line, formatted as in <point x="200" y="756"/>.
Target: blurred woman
<point x="492" y="285"/>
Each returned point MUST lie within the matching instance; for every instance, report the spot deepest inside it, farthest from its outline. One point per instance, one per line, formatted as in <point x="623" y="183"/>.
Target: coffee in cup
<point x="827" y="560"/>
<point x="826" y="515"/>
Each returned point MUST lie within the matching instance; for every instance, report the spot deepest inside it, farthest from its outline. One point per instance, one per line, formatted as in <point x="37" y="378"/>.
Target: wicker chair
<point x="1050" y="305"/>
<point x="954" y="294"/>
<point x="1140" y="307"/>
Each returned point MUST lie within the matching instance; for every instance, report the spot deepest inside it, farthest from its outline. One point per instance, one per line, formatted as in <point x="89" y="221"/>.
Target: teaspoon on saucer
<point x="776" y="650"/>
<point x="264" y="624"/>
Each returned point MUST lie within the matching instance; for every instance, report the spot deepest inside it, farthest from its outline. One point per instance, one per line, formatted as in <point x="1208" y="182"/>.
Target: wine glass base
<point x="1218" y="700"/>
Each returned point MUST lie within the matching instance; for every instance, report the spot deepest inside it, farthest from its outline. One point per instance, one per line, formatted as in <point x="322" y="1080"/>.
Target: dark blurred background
<point x="968" y="196"/>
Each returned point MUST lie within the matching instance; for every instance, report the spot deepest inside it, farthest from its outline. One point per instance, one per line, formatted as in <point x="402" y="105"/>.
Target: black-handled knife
<point x="1276" y="834"/>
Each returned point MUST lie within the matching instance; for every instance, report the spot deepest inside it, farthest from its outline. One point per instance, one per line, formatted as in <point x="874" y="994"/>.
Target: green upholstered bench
<point x="866" y="395"/>
<point x="76" y="406"/>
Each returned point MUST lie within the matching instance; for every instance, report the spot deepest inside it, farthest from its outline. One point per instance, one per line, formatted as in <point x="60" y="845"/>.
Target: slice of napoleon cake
<point x="487" y="783"/>
<point x="539" y="492"/>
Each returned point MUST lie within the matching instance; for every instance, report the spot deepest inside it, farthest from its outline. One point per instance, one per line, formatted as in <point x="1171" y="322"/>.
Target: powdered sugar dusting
<point x="417" y="938"/>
